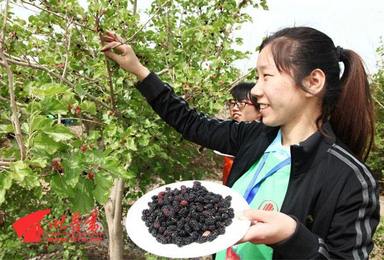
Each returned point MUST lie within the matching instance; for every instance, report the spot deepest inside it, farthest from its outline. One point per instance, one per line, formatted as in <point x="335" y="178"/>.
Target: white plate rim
<point x="138" y="232"/>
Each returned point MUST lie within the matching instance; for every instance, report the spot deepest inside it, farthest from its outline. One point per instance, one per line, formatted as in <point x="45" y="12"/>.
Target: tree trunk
<point x="134" y="7"/>
<point x="113" y="214"/>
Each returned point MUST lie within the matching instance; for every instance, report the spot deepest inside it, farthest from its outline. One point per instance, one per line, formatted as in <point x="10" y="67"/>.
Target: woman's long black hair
<point x="346" y="100"/>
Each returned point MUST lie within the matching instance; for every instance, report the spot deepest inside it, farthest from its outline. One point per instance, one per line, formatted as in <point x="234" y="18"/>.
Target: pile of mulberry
<point x="186" y="215"/>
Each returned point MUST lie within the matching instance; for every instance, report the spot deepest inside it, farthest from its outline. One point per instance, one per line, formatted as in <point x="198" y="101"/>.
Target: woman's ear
<point x="314" y="82"/>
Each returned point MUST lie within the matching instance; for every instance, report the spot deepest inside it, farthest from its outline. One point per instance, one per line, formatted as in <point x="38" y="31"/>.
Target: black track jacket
<point x="332" y="195"/>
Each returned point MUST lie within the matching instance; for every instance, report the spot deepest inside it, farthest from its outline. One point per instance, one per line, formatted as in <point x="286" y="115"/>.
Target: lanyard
<point x="254" y="186"/>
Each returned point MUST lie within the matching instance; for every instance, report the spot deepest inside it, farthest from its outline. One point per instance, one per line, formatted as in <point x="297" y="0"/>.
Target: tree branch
<point x="68" y="35"/>
<point x="162" y="71"/>
<point x="142" y="27"/>
<point x="7" y="100"/>
<point x="118" y="204"/>
<point x="91" y="51"/>
<point x="11" y="89"/>
<point x="134" y="7"/>
<point x="5" y="163"/>
<point x="55" y="14"/>
<point x="109" y="71"/>
<point x="240" y="78"/>
<point x="378" y="102"/>
<point x="108" y="207"/>
<point x="111" y="90"/>
<point x="27" y="63"/>
<point x="91" y="81"/>
<point x="150" y="18"/>
<point x="219" y="49"/>
<point x="5" y="16"/>
<point x="227" y="32"/>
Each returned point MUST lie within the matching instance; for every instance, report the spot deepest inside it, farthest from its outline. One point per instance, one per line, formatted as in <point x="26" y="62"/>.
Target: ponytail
<point x="353" y="117"/>
<point x="346" y="102"/>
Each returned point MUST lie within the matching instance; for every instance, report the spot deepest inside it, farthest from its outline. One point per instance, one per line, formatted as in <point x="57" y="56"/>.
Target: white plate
<point x="139" y="234"/>
<point x="223" y="154"/>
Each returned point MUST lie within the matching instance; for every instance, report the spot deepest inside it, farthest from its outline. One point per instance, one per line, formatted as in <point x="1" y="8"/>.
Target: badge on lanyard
<point x="254" y="185"/>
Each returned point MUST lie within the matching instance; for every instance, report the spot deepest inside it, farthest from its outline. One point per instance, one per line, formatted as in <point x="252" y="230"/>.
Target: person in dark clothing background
<point x="241" y="107"/>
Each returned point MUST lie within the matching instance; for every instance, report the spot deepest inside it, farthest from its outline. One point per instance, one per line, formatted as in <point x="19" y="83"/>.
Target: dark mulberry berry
<point x="186" y="215"/>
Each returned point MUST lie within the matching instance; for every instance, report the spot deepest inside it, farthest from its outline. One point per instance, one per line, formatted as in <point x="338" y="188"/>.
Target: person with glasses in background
<point x="241" y="107"/>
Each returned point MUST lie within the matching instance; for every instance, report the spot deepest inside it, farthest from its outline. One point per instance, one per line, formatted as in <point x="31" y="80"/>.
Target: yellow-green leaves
<point x="49" y="90"/>
<point x="19" y="173"/>
<point x="58" y="133"/>
<point x="5" y="184"/>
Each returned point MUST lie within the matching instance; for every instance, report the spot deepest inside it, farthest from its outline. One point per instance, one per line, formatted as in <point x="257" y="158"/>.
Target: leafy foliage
<point x="378" y="250"/>
<point x="376" y="158"/>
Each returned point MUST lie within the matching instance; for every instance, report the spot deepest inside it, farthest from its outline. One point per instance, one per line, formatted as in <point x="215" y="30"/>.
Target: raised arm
<point x="224" y="136"/>
<point x="124" y="56"/>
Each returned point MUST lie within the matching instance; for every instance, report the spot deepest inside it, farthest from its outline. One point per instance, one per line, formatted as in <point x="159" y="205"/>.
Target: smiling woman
<point x="279" y="99"/>
<point x="301" y="170"/>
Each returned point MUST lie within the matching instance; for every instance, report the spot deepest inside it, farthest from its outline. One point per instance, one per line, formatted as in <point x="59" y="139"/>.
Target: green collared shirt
<point x="269" y="197"/>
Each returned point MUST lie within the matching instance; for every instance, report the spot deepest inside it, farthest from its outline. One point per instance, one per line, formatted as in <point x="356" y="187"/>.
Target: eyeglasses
<point x="240" y="104"/>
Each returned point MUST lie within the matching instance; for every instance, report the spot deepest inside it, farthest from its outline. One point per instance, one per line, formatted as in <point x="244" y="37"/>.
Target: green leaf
<point x="45" y="144"/>
<point x="33" y="106"/>
<point x="129" y="174"/>
<point x="71" y="172"/>
<point x="49" y="90"/>
<point x="144" y="140"/>
<point x="6" y="129"/>
<point x="199" y="36"/>
<point x="2" y="196"/>
<point x="38" y="163"/>
<point x="31" y="181"/>
<point x="81" y="91"/>
<point x="112" y="166"/>
<point x="54" y="106"/>
<point x="5" y="181"/>
<point x="88" y="106"/>
<point x="130" y="144"/>
<point x="5" y="184"/>
<point x="39" y="123"/>
<point x="82" y="199"/>
<point x="59" y="186"/>
<point x="59" y="133"/>
<point x="23" y="175"/>
<point x="103" y="187"/>
<point x="19" y="170"/>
